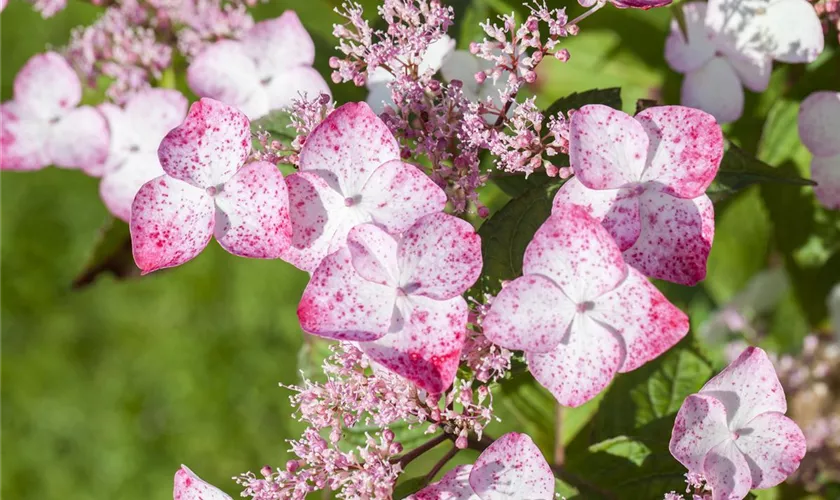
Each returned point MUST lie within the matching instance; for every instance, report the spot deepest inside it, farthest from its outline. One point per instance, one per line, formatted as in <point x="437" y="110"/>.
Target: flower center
<point x="352" y="200"/>
<point x="585" y="306"/>
<point x="214" y="190"/>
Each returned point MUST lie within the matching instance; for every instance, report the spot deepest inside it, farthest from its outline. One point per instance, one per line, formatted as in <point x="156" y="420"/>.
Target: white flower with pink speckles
<point x="733" y="43"/>
<point x="734" y="431"/>
<point x="399" y="296"/>
<point x="44" y="125"/>
<point x="266" y="69"/>
<point x="137" y="129"/>
<point x="645" y="179"/>
<point x="579" y="312"/>
<point x="512" y="468"/>
<point x="207" y="191"/>
<point x="351" y="173"/>
<point x="189" y="486"/>
<point x="819" y="129"/>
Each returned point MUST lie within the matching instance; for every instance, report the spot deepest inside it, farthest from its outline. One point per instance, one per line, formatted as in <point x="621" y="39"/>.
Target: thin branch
<point x="439" y="465"/>
<point x="479" y="444"/>
<point x="416" y="452"/>
<point x="559" y="451"/>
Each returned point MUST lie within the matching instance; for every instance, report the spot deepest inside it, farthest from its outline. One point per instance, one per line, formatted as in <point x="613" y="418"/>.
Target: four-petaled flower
<point x="819" y="130"/>
<point x="351" y="173"/>
<point x="645" y="179"/>
<point x="731" y="43"/>
<point x="205" y="192"/>
<point x="734" y="431"/>
<point x="136" y="132"/>
<point x="188" y="486"/>
<point x="43" y="126"/>
<point x="399" y="296"/>
<point x="579" y="312"/>
<point x="512" y="468"/>
<point x="266" y="69"/>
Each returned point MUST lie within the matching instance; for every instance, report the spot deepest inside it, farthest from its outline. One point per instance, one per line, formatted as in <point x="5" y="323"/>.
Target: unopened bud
<point x="562" y="55"/>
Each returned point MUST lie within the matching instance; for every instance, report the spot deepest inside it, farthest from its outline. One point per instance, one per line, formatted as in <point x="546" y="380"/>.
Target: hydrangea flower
<point x="819" y="128"/>
<point x="137" y="130"/>
<point x="645" y="179"/>
<point x="734" y="431"/>
<point x="350" y="173"/>
<point x="379" y="95"/>
<point x="512" y="468"/>
<point x="189" y="486"/>
<point x="44" y="124"/>
<point x="266" y="69"/>
<point x="206" y="190"/>
<point x="579" y="312"/>
<point x="731" y="44"/>
<point x="399" y="296"/>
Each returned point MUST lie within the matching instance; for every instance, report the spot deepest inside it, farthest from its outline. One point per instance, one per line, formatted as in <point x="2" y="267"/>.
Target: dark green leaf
<point x="738" y="169"/>
<point x="409" y="486"/>
<point x="609" y="97"/>
<point x="111" y="254"/>
<point x="516" y="185"/>
<point x="507" y="233"/>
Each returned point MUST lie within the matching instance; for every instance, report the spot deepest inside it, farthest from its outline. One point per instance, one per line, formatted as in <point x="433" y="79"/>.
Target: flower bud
<point x="562" y="55"/>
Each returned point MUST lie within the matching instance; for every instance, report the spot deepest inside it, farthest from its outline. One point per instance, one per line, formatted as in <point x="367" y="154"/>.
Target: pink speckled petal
<point x="825" y="171"/>
<point x="727" y="472"/>
<point x="747" y="388"/>
<point x="348" y="147"/>
<point x="153" y="113"/>
<point x="649" y="323"/>
<point x="700" y="426"/>
<point x="530" y="313"/>
<point x="797" y="36"/>
<point x="607" y="148"/>
<point x="684" y="56"/>
<point x="338" y="303"/>
<point x="819" y="123"/>
<point x="171" y="223"/>
<point x="439" y="257"/>
<point x="46" y="87"/>
<point x="676" y="238"/>
<point x="320" y="219"/>
<point x="224" y="72"/>
<point x="279" y="43"/>
<point x="252" y="216"/>
<point x="716" y="89"/>
<point x="188" y="486"/>
<point x="686" y="146"/>
<point x="617" y="209"/>
<point x="23" y="140"/>
<point x="454" y="485"/>
<point x="374" y="254"/>
<point x="397" y="194"/>
<point x="774" y="446"/>
<point x="79" y="140"/>
<point x="582" y="365"/>
<point x="120" y="185"/>
<point x="512" y="468"/>
<point x="427" y="349"/>
<point x="211" y="144"/>
<point x="557" y="249"/>
<point x="290" y="84"/>
<point x="640" y="4"/>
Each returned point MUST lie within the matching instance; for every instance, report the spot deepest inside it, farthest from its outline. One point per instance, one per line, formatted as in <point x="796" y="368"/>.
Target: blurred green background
<point x="108" y="389"/>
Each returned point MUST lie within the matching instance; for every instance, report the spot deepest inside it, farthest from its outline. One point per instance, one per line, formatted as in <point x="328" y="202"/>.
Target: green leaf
<point x="506" y="234"/>
<point x="111" y="254"/>
<point x="738" y="170"/>
<point x="626" y="447"/>
<point x="409" y="486"/>
<point x="740" y="250"/>
<point x="780" y="136"/>
<point x="609" y="97"/>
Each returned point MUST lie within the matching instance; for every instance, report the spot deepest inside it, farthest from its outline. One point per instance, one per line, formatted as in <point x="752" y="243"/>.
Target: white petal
<point x="716" y="89"/>
<point x="825" y="171"/>
<point x="819" y="123"/>
<point x="688" y="56"/>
